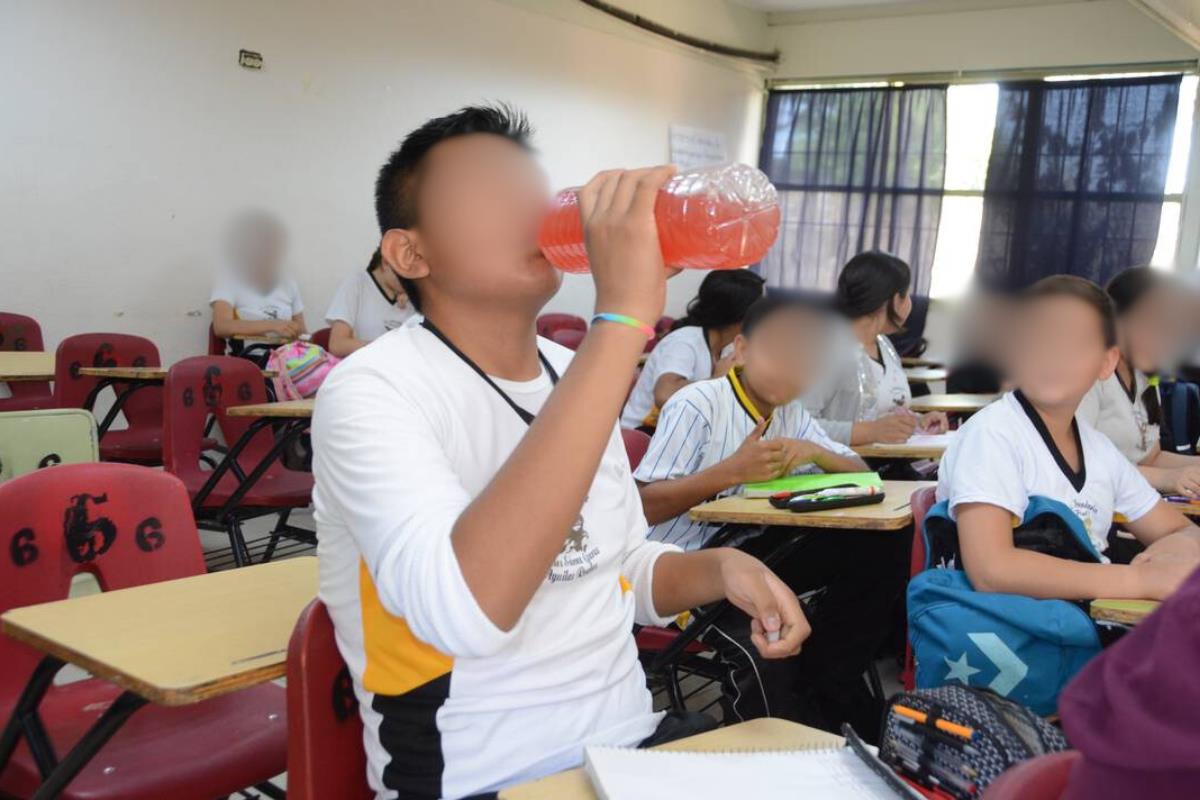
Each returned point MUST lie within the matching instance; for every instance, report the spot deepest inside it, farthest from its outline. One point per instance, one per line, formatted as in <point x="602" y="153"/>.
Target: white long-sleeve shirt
<point x="405" y="435"/>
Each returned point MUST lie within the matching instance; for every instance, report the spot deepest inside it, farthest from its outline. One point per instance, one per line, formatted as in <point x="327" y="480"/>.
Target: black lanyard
<point x="525" y="416"/>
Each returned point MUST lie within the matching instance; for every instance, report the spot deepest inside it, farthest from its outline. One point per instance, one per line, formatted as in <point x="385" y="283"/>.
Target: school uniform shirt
<point x="282" y="301"/>
<point x="1004" y="454"/>
<point x="363" y="304"/>
<point x="703" y="424"/>
<point x="885" y="386"/>
<point x="681" y="352"/>
<point x="1110" y="409"/>
<point x="405" y="436"/>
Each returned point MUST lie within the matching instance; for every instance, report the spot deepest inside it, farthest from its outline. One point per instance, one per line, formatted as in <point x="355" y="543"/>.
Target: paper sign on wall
<point x="696" y="147"/>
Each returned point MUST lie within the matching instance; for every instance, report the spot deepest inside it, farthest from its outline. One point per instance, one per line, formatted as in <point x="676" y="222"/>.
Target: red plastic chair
<point x="128" y="526"/>
<point x="663" y="326"/>
<point x="21" y="333"/>
<point x="216" y="345"/>
<point x="922" y="500"/>
<point x="1041" y="778"/>
<point x="636" y="444"/>
<point x="568" y="337"/>
<point x="321" y="338"/>
<point x="208" y="385"/>
<point x="325" y="733"/>
<point x="141" y="442"/>
<point x="547" y="324"/>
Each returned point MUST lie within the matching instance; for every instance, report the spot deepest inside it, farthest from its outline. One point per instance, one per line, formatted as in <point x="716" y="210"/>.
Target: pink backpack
<point x="299" y="367"/>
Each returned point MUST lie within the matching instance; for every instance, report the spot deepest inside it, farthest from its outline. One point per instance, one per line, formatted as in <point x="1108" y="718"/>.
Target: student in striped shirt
<point x="747" y="426"/>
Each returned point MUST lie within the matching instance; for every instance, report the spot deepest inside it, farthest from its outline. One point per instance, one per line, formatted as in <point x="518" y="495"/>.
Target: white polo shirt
<point x="1124" y="419"/>
<point x="703" y="424"/>
<point x="362" y="304"/>
<point x="405" y="436"/>
<point x="1003" y="455"/>
<point x="281" y="301"/>
<point x="682" y="352"/>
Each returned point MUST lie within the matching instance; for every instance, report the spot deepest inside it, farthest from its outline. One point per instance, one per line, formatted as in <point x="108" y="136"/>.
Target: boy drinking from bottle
<point x="483" y="550"/>
<point x="747" y="426"/>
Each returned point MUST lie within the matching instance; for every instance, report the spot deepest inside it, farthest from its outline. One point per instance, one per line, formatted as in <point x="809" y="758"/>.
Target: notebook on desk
<point x="817" y="773"/>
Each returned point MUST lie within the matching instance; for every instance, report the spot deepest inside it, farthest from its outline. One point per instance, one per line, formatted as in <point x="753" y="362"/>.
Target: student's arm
<point x="226" y="325"/>
<point x="342" y="341"/>
<point x="667" y="384"/>
<point x="298" y="321"/>
<point x="1173" y="473"/>
<point x="800" y="452"/>
<point x="993" y="564"/>
<point x="669" y="487"/>
<point x="893" y="428"/>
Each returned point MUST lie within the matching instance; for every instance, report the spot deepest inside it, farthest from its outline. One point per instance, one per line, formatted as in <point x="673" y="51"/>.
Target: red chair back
<point x="21" y="333"/>
<point x="1041" y="778"/>
<point x="568" y="337"/>
<point x="202" y="385"/>
<point x="325" y="735"/>
<point x="216" y="345"/>
<point x="922" y="500"/>
<point x="547" y="324"/>
<point x="125" y="524"/>
<point x="321" y="338"/>
<point x="636" y="444"/>
<point x="143" y="409"/>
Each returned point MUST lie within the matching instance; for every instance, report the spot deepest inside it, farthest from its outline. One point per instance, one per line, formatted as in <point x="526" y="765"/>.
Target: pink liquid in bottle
<point x="722" y="217"/>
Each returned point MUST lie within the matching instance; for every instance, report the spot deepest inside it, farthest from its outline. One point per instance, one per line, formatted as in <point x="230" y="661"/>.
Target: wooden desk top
<point x="182" y="641"/>
<point x="757" y="734"/>
<point x="286" y="408"/>
<point x="1126" y="612"/>
<point x="925" y="374"/>
<point x="880" y="450"/>
<point x="16" y="366"/>
<point x="894" y="513"/>
<point x="951" y="403"/>
<point x="139" y="373"/>
<point x="913" y="361"/>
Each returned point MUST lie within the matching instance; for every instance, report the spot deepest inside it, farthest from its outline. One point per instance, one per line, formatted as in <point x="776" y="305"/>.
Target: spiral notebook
<point x="820" y="773"/>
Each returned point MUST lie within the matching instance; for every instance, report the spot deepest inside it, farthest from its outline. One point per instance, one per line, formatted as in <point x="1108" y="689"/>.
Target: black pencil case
<point x="800" y="504"/>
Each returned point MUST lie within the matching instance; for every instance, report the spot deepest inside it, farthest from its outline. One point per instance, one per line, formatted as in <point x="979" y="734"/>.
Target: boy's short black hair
<point x="1130" y="286"/>
<point x="1080" y="289"/>
<point x="396" y="186"/>
<point x="765" y="308"/>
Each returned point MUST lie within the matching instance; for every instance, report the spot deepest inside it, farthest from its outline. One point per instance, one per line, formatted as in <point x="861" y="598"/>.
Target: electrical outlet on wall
<point x="250" y="59"/>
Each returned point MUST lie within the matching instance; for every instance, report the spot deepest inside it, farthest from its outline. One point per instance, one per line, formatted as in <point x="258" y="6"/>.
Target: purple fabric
<point x="1134" y="711"/>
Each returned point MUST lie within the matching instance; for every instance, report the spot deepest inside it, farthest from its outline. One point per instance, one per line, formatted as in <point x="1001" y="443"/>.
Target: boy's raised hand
<point x="758" y="459"/>
<point x="617" y="210"/>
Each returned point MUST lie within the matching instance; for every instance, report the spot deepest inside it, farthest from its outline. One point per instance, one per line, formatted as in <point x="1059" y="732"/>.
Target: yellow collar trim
<point x="744" y="399"/>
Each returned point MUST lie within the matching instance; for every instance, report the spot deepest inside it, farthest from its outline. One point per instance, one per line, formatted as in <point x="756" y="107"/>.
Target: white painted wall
<point x="129" y="134"/>
<point x="1068" y="34"/>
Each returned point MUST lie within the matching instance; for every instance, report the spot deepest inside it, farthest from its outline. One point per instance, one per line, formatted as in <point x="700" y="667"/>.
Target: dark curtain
<point x="856" y="169"/>
<point x="1075" y="180"/>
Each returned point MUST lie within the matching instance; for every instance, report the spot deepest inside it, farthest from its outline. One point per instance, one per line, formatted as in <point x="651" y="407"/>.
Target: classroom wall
<point x="130" y="134"/>
<point x="1066" y="34"/>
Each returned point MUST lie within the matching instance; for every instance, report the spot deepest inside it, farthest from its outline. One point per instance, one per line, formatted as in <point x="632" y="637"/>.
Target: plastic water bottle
<point x="721" y="217"/>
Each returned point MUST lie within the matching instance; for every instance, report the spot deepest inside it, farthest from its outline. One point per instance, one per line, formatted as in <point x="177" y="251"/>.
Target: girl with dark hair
<point x="698" y="347"/>
<point x="1125" y="405"/>
<point x="867" y="402"/>
<point x="366" y="305"/>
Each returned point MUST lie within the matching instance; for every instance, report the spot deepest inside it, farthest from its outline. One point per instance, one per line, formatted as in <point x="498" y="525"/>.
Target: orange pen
<point x="961" y="731"/>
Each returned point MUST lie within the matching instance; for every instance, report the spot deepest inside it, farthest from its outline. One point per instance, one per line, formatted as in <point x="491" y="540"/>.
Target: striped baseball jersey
<point x="703" y="424"/>
<point x="405" y="435"/>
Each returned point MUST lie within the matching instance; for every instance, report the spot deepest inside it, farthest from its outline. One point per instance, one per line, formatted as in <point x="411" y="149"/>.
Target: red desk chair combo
<point x="21" y="333"/>
<point x="922" y="500"/>
<point x="141" y="442"/>
<point x="249" y="481"/>
<point x="325" y="734"/>
<point x="321" y="338"/>
<point x="570" y="338"/>
<point x="128" y="526"/>
<point x="547" y="324"/>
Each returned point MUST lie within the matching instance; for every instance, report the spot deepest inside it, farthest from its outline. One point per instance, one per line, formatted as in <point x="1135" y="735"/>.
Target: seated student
<point x="1125" y="407"/>
<point x="251" y="296"/>
<point x="747" y="426"/>
<point x="1030" y="442"/>
<point x="868" y="399"/>
<point x="483" y="552"/>
<point x="695" y="348"/>
<point x="366" y="306"/>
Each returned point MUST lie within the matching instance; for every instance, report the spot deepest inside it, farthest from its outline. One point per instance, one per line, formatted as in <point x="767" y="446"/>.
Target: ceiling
<point x="833" y="8"/>
<point x="812" y="5"/>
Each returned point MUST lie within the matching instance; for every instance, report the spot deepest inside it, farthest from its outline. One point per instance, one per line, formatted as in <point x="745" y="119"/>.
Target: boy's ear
<point x="1111" y="358"/>
<point x="401" y="250"/>
<point x="739" y="349"/>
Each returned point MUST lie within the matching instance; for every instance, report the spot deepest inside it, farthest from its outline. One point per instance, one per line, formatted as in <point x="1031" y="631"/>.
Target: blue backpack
<point x="1018" y="647"/>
